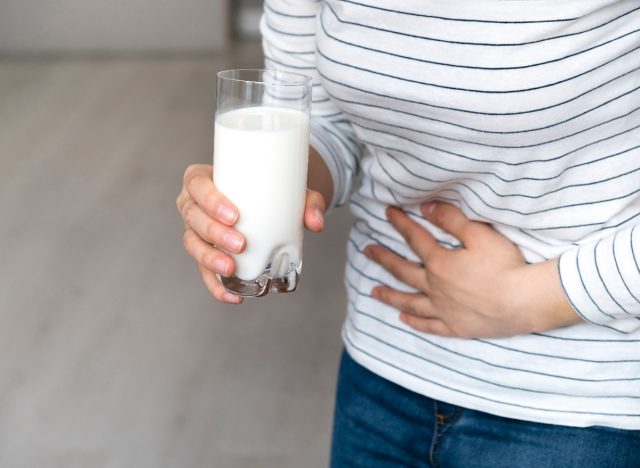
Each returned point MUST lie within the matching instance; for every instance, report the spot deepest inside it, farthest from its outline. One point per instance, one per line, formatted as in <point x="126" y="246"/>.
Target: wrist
<point x="538" y="297"/>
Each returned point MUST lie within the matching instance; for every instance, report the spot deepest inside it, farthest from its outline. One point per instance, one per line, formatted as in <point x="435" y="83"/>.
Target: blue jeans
<point x="380" y="424"/>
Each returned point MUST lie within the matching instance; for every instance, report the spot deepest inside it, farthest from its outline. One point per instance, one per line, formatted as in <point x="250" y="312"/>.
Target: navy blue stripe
<point x="348" y="149"/>
<point x="479" y="130"/>
<point x="469" y="111"/>
<point x="481" y="44"/>
<point x="487" y="161"/>
<point x="289" y="65"/>
<point x="532" y="212"/>
<point x="377" y="281"/>
<point x="288" y="15"/>
<point x="373" y="190"/>
<point x="586" y="290"/>
<point x="470" y="90"/>
<point x="473" y="377"/>
<point x="615" y="259"/>
<point x="352" y="241"/>
<point x="358" y="230"/>
<point x="493" y="173"/>
<point x="460" y="181"/>
<point x="586" y="340"/>
<point x="544" y="241"/>
<point x="443" y="198"/>
<point x="448" y="387"/>
<point x="604" y="284"/>
<point x="469" y="67"/>
<point x="601" y="224"/>
<point x="463" y="20"/>
<point x="356" y="204"/>
<point x="633" y="250"/>
<point x="564" y="358"/>
<point x="422" y="338"/>
<point x="287" y="33"/>
<point x="393" y="192"/>
<point x="370" y="231"/>
<point x="271" y="45"/>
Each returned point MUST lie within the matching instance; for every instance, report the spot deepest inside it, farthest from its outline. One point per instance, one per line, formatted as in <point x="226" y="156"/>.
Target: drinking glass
<point x="261" y="147"/>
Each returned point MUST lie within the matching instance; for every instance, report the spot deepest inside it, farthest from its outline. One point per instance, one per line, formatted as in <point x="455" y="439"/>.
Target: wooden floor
<point x="112" y="354"/>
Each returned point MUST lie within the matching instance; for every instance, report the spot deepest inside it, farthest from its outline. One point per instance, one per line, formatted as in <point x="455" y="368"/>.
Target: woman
<point x="490" y="152"/>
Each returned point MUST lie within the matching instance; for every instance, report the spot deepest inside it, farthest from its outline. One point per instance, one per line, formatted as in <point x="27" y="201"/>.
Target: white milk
<point x="260" y="165"/>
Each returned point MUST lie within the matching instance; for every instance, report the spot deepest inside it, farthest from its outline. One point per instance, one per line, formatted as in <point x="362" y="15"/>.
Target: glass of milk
<point x="261" y="148"/>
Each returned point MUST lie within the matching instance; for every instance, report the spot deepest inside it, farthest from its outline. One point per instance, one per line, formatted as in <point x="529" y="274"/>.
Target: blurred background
<point x="112" y="352"/>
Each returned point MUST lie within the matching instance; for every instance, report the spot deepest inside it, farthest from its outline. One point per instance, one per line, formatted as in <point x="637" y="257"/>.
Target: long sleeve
<point x="601" y="279"/>
<point x="289" y="41"/>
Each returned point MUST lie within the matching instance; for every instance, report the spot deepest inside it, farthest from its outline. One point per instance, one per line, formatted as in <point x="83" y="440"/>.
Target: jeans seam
<point x="439" y="432"/>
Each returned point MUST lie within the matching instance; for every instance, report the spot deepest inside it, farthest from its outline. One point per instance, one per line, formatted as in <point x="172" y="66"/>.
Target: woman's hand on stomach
<point x="482" y="289"/>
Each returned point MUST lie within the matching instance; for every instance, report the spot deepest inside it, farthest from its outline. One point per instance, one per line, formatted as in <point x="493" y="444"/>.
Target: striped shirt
<point x="526" y="115"/>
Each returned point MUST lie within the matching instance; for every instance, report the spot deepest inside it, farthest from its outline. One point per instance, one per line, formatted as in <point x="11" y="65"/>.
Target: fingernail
<point x="317" y="213"/>
<point x="367" y="252"/>
<point x="375" y="294"/>
<point x="232" y="298"/>
<point x="227" y="214"/>
<point x="428" y="207"/>
<point x="233" y="241"/>
<point x="403" y="317"/>
<point x="220" y="266"/>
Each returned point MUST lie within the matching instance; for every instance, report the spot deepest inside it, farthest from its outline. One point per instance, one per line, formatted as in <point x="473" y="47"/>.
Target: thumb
<point x="314" y="211"/>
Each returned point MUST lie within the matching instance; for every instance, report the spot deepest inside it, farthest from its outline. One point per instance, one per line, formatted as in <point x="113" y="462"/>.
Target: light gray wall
<point x="42" y="26"/>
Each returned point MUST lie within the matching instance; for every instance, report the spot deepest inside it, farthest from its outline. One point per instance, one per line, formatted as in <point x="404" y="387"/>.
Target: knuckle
<point x="211" y="231"/>
<point x="208" y="258"/>
<point x="440" y="217"/>
<point x="315" y="197"/>
<point x="179" y="199"/>
<point x="434" y="263"/>
<point x="218" y="294"/>
<point x="188" y="173"/>
<point x="413" y="304"/>
<point x="189" y="212"/>
<point x="211" y="200"/>
<point x="191" y="184"/>
<point x="187" y="241"/>
<point x="467" y="230"/>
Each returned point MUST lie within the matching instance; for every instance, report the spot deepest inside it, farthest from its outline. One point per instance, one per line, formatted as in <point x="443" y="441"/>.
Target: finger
<point x="199" y="185"/>
<point x="452" y="220"/>
<point x="216" y="288"/>
<point x="418" y="238"/>
<point x="182" y="196"/>
<point x="432" y="326"/>
<point x="207" y="255"/>
<point x="212" y="231"/>
<point x="415" y="304"/>
<point x="314" y="211"/>
<point x="408" y="272"/>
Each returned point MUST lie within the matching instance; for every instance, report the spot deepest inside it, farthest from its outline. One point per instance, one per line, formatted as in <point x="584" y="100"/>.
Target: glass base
<point x="264" y="284"/>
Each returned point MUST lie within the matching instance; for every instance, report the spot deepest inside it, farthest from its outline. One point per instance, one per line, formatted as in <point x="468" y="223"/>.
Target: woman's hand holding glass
<point x="209" y="234"/>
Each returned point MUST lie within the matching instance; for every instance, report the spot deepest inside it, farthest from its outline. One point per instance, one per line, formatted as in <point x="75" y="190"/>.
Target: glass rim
<point x="304" y="80"/>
